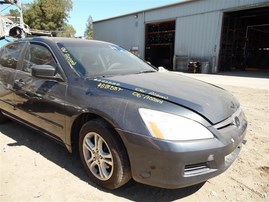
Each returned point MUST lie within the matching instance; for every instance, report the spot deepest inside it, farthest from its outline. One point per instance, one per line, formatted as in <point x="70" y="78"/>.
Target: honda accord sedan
<point x="123" y="117"/>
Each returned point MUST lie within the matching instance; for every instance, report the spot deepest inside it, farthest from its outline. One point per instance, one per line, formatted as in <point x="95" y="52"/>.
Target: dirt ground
<point x="34" y="168"/>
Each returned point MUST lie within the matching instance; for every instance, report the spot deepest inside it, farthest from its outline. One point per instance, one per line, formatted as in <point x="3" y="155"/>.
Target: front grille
<point x="195" y="169"/>
<point x="229" y="121"/>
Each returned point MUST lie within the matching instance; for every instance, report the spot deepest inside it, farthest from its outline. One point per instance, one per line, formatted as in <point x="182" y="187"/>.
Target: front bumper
<point x="174" y="164"/>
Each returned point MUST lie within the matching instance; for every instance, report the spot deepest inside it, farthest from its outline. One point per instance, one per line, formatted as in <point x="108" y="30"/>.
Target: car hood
<point x="213" y="103"/>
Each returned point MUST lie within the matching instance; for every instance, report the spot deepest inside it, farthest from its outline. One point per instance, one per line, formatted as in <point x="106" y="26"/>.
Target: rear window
<point x="10" y="55"/>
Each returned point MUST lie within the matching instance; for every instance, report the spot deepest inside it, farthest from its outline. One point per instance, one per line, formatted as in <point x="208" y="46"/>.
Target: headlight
<point x="171" y="127"/>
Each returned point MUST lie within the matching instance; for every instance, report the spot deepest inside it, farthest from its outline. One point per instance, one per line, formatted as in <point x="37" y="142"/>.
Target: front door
<point x="40" y="101"/>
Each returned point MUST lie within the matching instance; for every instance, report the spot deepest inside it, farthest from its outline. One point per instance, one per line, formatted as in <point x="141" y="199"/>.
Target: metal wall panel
<point x="127" y="31"/>
<point x="198" y="26"/>
<point x="198" y="36"/>
<point x="195" y="7"/>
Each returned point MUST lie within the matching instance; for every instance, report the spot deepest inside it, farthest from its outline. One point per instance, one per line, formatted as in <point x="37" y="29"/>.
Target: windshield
<point x="93" y="59"/>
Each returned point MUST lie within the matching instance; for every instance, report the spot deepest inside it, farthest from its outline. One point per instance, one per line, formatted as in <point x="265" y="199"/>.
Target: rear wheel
<point x="103" y="155"/>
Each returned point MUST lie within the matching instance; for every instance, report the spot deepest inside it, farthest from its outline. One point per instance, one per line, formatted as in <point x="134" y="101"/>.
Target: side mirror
<point x="44" y="71"/>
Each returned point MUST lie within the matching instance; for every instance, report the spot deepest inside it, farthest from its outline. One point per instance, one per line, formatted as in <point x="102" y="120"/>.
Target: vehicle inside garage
<point x="245" y="40"/>
<point x="160" y="41"/>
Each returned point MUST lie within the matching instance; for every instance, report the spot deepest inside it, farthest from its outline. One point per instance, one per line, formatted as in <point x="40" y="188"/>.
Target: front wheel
<point x="103" y="155"/>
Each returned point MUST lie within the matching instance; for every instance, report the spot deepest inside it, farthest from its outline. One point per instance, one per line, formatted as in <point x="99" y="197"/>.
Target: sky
<point x="103" y="9"/>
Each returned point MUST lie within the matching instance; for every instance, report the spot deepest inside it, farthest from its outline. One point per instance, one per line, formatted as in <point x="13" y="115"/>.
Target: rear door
<point x="9" y="61"/>
<point x="38" y="101"/>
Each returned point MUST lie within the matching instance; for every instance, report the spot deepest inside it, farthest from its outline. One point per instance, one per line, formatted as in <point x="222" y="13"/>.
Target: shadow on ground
<point x="60" y="156"/>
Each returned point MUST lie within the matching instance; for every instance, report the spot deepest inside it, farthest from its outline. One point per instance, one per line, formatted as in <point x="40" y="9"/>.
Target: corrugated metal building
<point x="221" y="34"/>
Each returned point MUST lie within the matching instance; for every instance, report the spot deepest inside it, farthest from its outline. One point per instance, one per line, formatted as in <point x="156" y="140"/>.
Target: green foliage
<point x="15" y="13"/>
<point x="48" y="14"/>
<point x="88" y="34"/>
<point x="68" y="31"/>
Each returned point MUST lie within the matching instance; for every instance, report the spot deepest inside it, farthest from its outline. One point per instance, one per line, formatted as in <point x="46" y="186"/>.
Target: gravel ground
<point x="34" y="168"/>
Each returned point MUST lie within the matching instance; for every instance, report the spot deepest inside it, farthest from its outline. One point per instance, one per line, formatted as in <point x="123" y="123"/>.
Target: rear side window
<point x="37" y="55"/>
<point x="10" y="55"/>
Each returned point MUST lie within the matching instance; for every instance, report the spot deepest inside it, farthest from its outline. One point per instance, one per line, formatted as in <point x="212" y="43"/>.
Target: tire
<point x="103" y="155"/>
<point x="3" y="119"/>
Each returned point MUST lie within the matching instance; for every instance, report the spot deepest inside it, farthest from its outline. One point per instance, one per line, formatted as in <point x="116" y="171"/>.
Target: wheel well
<point x="77" y="125"/>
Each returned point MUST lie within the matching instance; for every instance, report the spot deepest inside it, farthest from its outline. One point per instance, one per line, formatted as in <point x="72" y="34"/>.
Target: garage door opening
<point x="245" y="40"/>
<point x="160" y="43"/>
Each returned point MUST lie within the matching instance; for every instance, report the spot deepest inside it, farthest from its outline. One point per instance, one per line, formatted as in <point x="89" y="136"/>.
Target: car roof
<point x="60" y="40"/>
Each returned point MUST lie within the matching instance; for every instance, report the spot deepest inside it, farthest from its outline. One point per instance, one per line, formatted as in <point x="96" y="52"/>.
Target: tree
<point x="68" y="31"/>
<point x="89" y="28"/>
<point x="48" y="14"/>
<point x="14" y="12"/>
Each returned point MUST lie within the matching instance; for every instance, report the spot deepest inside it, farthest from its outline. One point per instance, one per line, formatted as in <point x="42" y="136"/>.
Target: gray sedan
<point x="123" y="117"/>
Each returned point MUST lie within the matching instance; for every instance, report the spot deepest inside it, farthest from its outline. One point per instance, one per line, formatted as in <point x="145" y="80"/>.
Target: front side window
<point x="10" y="55"/>
<point x="37" y="55"/>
